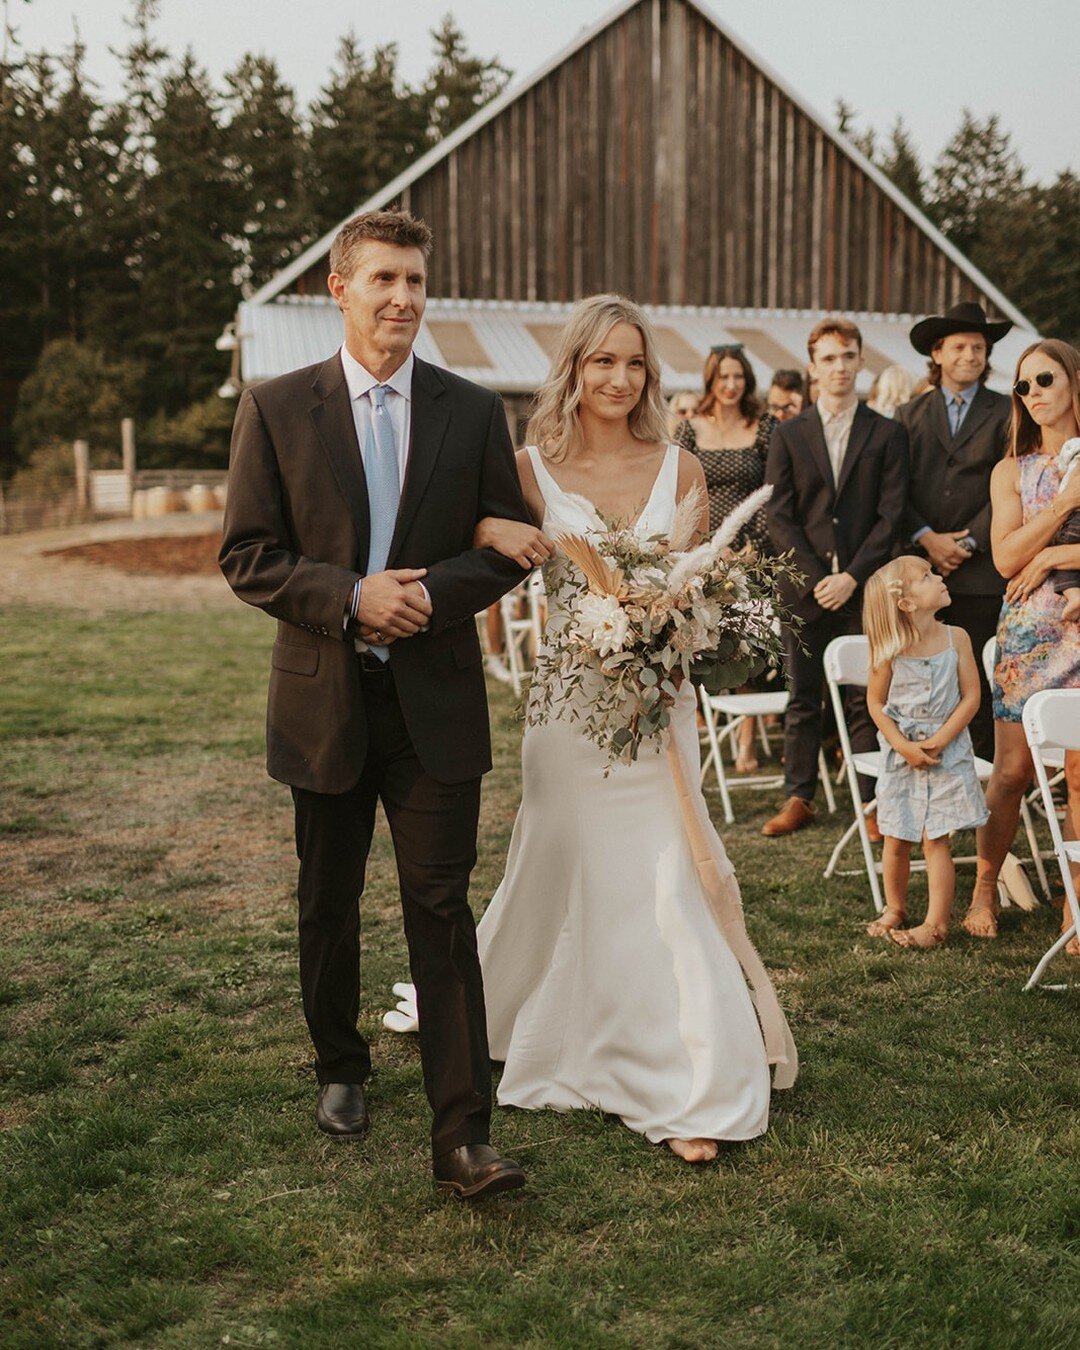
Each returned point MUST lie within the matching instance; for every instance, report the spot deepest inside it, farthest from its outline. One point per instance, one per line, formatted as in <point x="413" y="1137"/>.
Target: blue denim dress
<point x="923" y="692"/>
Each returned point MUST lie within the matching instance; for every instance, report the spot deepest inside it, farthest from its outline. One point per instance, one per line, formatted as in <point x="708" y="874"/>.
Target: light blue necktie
<point x="383" y="487"/>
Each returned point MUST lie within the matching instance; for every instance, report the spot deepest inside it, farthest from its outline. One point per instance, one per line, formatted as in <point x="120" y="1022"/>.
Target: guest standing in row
<point x="1037" y="647"/>
<point x="839" y="473"/>
<point x="786" y="394"/>
<point x="957" y="433"/>
<point x="729" y="434"/>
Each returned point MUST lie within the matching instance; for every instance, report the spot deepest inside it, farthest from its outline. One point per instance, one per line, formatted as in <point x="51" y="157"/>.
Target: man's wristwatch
<point x="968" y="544"/>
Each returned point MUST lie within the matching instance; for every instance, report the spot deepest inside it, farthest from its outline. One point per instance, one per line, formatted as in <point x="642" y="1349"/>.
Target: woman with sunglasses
<point x="1037" y="646"/>
<point x="729" y="433"/>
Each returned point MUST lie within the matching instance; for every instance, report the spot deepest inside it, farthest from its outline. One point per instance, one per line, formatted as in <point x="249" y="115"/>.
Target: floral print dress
<point x="1036" y="648"/>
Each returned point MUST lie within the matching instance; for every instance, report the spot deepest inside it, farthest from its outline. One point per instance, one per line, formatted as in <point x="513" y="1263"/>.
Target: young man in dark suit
<point x="957" y="432"/>
<point x="839" y="474"/>
<point x="354" y="489"/>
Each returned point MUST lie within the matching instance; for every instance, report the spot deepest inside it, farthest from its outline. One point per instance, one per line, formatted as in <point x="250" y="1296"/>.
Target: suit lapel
<point x="976" y="416"/>
<point x="860" y="434"/>
<point x="429" y="420"/>
<point x="333" y="419"/>
<point x="939" y="418"/>
<point x="815" y="439"/>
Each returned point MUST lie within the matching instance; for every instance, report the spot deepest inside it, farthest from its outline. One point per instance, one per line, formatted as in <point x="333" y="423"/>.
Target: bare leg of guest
<point x="1010" y="780"/>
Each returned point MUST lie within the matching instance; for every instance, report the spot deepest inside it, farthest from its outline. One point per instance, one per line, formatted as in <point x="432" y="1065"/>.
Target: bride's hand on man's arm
<point x="525" y="544"/>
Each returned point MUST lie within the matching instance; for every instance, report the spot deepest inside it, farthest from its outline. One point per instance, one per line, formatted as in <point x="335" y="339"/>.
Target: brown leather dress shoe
<point x="792" y="816"/>
<point x="341" y="1110"/>
<point x="475" y="1171"/>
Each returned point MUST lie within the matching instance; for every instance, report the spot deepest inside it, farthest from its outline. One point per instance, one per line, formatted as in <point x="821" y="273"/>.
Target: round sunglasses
<point x="1044" y="380"/>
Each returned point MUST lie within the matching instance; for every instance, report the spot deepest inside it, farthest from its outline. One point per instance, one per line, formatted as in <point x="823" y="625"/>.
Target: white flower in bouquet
<point x="601" y="622"/>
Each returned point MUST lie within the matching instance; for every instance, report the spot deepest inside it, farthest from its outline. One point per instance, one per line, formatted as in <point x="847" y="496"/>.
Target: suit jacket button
<point x="836" y="520"/>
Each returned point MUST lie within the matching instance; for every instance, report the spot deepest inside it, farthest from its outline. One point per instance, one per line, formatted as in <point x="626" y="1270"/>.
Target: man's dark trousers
<point x="802" y="719"/>
<point x="433" y="826"/>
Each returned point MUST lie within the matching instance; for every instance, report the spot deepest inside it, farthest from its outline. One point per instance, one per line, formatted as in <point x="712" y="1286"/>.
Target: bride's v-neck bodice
<point x="570" y="513"/>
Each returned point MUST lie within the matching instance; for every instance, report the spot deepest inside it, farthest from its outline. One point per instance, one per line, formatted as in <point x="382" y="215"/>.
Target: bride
<point x="616" y="976"/>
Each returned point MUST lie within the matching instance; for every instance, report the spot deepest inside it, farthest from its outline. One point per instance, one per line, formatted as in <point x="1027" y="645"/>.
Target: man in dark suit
<point x="354" y="489"/>
<point x="957" y="433"/>
<point x="839" y="474"/>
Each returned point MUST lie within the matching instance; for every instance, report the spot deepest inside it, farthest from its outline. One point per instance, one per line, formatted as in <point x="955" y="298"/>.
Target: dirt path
<point x="34" y="571"/>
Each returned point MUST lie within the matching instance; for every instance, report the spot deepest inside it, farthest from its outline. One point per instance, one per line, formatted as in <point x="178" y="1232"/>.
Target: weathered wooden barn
<point x="658" y="157"/>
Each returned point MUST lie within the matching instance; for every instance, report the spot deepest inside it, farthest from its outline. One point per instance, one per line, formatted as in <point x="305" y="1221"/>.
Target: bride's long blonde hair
<point x="555" y="426"/>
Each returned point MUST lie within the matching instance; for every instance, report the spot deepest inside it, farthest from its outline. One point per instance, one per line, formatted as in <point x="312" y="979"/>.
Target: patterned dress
<point x="923" y="692"/>
<point x="1036" y="648"/>
<point x="731" y="475"/>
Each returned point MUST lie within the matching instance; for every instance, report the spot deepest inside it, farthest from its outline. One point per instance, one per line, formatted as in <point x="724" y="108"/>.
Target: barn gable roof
<point x="317" y="252"/>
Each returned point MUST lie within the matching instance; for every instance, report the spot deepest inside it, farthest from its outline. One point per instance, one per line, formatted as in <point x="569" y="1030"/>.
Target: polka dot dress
<point x="731" y="475"/>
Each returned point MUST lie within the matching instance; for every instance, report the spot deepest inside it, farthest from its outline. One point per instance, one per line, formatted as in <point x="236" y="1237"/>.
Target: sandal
<point x="886" y="922"/>
<point x="981" y="920"/>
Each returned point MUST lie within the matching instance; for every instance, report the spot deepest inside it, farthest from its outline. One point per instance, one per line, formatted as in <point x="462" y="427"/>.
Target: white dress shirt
<point x="398" y="404"/>
<point x="360" y="383"/>
<point x="837" y="428"/>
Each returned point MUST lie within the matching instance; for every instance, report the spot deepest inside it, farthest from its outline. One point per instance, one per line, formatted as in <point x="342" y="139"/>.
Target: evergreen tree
<point x="901" y="163"/>
<point x="366" y="127"/>
<point x="18" y="296"/>
<point x="266" y="149"/>
<point x="978" y="167"/>
<point x="459" y="84"/>
<point x="845" y="123"/>
<point x="1028" y="248"/>
<point x="187" y="287"/>
<point x="75" y="390"/>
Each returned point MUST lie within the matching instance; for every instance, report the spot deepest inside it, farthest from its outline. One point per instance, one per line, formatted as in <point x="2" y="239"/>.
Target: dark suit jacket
<point x="296" y="539"/>
<point x="950" y="479"/>
<point x="853" y="521"/>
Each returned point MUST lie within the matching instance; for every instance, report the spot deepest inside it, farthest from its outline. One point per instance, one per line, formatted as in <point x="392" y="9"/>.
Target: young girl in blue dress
<point x="922" y="693"/>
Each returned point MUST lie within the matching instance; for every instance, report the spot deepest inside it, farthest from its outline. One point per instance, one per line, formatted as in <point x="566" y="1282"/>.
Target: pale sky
<point x="926" y="59"/>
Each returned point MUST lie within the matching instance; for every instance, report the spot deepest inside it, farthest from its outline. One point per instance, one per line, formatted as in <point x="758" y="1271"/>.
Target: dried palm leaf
<point x="602" y="579"/>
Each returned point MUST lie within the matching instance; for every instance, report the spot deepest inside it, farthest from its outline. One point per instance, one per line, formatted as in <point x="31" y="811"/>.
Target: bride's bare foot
<point x="921" y="938"/>
<point x="981" y="919"/>
<point x="693" y="1150"/>
<point x="884" y="924"/>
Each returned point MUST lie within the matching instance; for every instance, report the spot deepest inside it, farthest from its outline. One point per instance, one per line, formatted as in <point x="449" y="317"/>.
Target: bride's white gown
<point x="612" y="979"/>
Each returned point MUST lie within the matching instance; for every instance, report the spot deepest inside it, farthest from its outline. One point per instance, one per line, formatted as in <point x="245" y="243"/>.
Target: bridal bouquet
<point x="639" y="616"/>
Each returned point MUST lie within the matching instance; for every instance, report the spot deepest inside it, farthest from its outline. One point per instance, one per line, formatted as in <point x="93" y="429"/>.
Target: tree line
<point x="1020" y="233"/>
<point x="133" y="229"/>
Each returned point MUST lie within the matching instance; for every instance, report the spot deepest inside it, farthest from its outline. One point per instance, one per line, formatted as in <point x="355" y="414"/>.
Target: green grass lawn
<point x="161" y="1179"/>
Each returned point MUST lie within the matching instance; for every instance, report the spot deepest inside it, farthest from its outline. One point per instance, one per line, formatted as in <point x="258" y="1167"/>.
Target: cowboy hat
<point x="967" y="317"/>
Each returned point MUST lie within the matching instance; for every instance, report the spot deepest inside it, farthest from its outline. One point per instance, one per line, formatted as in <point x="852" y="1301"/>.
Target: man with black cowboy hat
<point x="957" y="433"/>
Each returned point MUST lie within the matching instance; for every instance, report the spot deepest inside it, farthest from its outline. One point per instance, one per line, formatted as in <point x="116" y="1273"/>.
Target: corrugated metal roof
<point x="296" y="331"/>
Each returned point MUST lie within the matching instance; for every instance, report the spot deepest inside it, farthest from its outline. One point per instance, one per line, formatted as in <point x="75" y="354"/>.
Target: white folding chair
<point x="1052" y="726"/>
<point x="522" y="634"/>
<point x="847" y="661"/>
<point x="1054" y="761"/>
<point x="736" y="708"/>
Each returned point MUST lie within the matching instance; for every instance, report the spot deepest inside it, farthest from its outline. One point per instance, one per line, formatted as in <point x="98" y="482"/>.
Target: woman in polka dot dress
<point x="730" y="434"/>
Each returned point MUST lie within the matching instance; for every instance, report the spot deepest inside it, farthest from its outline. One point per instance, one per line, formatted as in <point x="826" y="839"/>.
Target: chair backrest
<point x="989" y="659"/>
<point x="1052" y="719"/>
<point x="847" y="660"/>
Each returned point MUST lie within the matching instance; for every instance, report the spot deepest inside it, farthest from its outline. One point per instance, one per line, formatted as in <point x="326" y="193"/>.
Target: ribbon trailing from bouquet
<point x="722" y="895"/>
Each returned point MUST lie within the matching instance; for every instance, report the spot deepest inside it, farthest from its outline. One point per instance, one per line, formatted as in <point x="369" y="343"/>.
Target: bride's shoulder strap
<point x="544" y="480"/>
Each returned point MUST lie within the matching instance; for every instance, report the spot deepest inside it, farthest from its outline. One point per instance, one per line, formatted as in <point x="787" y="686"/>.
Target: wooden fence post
<point x="82" y="475"/>
<point x="127" y="447"/>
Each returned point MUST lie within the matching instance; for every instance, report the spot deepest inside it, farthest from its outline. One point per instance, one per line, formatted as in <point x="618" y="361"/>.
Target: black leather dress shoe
<point x="341" y="1110"/>
<point x="476" y="1171"/>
